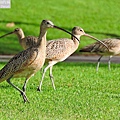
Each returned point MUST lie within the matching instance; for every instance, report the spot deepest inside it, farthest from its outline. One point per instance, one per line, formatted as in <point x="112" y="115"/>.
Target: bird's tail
<point x="2" y="78"/>
<point x="86" y="49"/>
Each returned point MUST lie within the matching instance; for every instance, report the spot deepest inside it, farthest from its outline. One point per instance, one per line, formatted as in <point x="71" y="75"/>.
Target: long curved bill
<point x="65" y="31"/>
<point x="96" y="40"/>
<point x="6" y="34"/>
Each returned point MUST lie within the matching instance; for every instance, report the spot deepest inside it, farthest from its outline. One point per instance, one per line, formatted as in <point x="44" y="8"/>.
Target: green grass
<point x="81" y="94"/>
<point x="100" y="19"/>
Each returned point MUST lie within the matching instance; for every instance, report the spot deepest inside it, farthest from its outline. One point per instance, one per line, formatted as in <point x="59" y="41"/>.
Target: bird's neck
<point x="42" y="40"/>
<point x="20" y="35"/>
<point x="75" y="40"/>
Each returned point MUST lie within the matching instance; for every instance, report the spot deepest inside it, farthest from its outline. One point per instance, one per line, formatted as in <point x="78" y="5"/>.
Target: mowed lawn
<point x="81" y="94"/>
<point x="98" y="18"/>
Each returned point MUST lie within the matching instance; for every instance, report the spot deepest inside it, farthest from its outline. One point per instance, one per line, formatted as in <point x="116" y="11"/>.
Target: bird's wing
<point x="19" y="61"/>
<point x="98" y="47"/>
<point x="57" y="47"/>
<point x="29" y="41"/>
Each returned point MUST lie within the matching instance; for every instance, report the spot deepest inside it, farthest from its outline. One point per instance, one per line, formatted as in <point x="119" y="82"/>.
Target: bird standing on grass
<point x="56" y="51"/>
<point x="25" y="42"/>
<point x="60" y="49"/>
<point x="113" y="45"/>
<point x="28" y="62"/>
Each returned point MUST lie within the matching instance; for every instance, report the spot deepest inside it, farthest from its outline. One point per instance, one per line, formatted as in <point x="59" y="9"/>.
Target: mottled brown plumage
<point x="60" y="49"/>
<point x="57" y="50"/>
<point x="113" y="45"/>
<point x="25" y="42"/>
<point x="28" y="62"/>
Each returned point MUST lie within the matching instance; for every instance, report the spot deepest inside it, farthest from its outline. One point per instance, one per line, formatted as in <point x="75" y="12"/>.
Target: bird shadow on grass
<point x="18" y="22"/>
<point x="70" y="29"/>
<point x="101" y="33"/>
<point x="87" y="64"/>
<point x="4" y="86"/>
<point x="76" y="64"/>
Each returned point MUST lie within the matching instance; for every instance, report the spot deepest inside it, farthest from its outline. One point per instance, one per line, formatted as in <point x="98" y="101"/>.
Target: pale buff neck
<point x="20" y="35"/>
<point x="42" y="39"/>
<point x="75" y="40"/>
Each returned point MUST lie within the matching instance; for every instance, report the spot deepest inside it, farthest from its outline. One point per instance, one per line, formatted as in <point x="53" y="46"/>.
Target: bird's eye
<point x="17" y="29"/>
<point x="47" y="22"/>
<point x="81" y="30"/>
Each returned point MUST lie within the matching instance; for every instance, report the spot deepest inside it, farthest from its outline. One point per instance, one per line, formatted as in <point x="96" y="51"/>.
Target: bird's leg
<point x="109" y="61"/>
<point x="51" y="63"/>
<point x="42" y="70"/>
<point x="25" y="83"/>
<point x="98" y="63"/>
<point x="43" y="75"/>
<point x="22" y="93"/>
<point x="24" y="97"/>
<point x="51" y="77"/>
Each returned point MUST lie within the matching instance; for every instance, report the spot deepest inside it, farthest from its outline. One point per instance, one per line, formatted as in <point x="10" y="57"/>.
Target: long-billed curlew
<point x="113" y="45"/>
<point x="65" y="47"/>
<point x="60" y="49"/>
<point x="25" y="42"/>
<point x="28" y="62"/>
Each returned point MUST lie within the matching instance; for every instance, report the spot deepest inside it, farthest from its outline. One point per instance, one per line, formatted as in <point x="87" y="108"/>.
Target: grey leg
<point x="50" y="64"/>
<point x="25" y="83"/>
<point x="98" y="63"/>
<point x="22" y="93"/>
<point x="51" y="77"/>
<point x="43" y="75"/>
<point x="109" y="61"/>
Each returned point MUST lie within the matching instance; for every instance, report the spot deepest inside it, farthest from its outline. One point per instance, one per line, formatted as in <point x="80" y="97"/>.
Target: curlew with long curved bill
<point x="112" y="44"/>
<point x="28" y="62"/>
<point x="60" y="49"/>
<point x="25" y="42"/>
<point x="53" y="47"/>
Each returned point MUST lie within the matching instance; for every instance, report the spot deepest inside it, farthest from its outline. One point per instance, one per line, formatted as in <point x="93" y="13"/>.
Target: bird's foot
<point x="24" y="97"/>
<point x="39" y="89"/>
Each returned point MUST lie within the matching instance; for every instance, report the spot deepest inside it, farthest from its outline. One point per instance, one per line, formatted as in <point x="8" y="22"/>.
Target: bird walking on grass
<point x="56" y="50"/>
<point x="60" y="49"/>
<point x="25" y="42"/>
<point x="113" y="45"/>
<point x="28" y="62"/>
